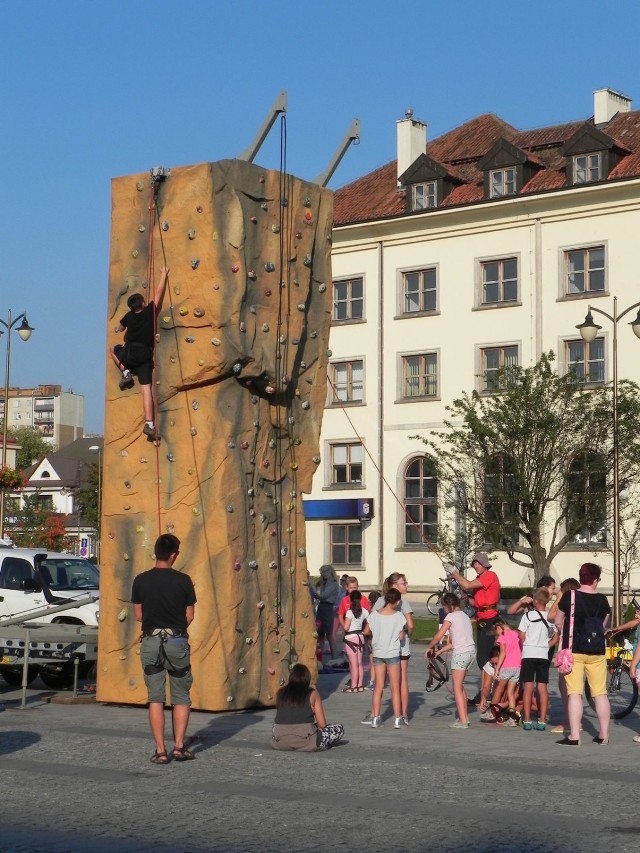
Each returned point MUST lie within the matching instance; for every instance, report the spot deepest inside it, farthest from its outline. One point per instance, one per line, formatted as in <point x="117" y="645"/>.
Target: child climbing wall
<point x="239" y="388"/>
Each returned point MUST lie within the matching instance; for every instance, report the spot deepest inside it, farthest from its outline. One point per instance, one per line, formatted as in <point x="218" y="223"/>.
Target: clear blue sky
<point x="92" y="90"/>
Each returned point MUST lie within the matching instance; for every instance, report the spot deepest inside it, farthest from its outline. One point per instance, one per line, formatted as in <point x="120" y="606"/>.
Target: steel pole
<point x="616" y="473"/>
<point x="5" y="420"/>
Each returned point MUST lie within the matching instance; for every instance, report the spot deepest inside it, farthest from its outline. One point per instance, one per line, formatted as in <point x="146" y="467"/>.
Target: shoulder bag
<point x="564" y="659"/>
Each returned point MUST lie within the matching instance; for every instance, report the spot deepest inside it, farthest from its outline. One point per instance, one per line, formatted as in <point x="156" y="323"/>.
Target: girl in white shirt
<point x="458" y="625"/>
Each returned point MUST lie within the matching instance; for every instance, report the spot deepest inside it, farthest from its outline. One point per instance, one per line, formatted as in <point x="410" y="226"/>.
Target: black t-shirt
<point x="587" y="604"/>
<point x="139" y="326"/>
<point x="164" y="595"/>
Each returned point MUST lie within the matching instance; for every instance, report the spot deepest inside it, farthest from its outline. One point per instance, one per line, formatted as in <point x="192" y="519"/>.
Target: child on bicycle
<point x="458" y="625"/>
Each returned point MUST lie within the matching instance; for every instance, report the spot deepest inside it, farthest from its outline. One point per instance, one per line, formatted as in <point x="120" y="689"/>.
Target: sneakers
<point x="397" y="723"/>
<point x="601" y="741"/>
<point x="376" y="723"/>
<point x="150" y="431"/>
<point x="405" y="721"/>
<point x="566" y="741"/>
<point x="368" y="720"/>
<point x="487" y="717"/>
<point x="458" y="725"/>
<point x="541" y="726"/>
<point x="126" y="381"/>
<point x="527" y="725"/>
<point x="509" y="723"/>
<point x="370" y="685"/>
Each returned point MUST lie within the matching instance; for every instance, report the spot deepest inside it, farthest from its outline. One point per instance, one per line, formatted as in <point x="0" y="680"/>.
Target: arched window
<point x="420" y="502"/>
<point x="501" y="500"/>
<point x="587" y="498"/>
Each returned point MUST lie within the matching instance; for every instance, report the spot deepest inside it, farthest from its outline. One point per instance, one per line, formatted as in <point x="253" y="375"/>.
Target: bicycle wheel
<point x="433" y="603"/>
<point x="622" y="691"/>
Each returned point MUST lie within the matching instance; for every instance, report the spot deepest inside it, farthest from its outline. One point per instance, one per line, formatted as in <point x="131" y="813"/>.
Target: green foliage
<point x="33" y="446"/>
<point x="87" y="498"/>
<point x="506" y="456"/>
<point x="37" y="527"/>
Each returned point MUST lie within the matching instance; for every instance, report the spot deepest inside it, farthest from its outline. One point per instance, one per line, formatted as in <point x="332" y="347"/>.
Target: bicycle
<point x="434" y="601"/>
<point x="622" y="690"/>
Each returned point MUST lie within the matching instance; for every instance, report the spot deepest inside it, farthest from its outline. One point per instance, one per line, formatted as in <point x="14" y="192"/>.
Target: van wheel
<point x="13" y="677"/>
<point x="61" y="680"/>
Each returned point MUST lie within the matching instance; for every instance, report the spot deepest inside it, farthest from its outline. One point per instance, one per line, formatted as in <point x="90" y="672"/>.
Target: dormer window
<point x="587" y="168"/>
<point x="424" y="196"/>
<point x="502" y="182"/>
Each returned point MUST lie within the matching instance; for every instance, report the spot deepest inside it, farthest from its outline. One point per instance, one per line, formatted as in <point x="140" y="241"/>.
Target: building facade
<point x="58" y="415"/>
<point x="472" y="252"/>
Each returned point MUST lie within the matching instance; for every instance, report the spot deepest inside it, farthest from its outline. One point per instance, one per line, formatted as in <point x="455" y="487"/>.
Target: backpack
<point x="589" y="639"/>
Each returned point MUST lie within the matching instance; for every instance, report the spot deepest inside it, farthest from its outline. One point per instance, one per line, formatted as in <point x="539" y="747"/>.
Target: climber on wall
<point x="135" y="356"/>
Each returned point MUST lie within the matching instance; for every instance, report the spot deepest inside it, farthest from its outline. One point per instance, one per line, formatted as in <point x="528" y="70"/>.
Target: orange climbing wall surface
<point x="250" y="283"/>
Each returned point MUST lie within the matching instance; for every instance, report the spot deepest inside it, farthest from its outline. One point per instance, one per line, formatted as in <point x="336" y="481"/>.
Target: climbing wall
<point x="241" y="353"/>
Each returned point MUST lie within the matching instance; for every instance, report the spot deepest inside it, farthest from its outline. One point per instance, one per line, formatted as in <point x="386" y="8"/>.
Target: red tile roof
<point x="377" y="195"/>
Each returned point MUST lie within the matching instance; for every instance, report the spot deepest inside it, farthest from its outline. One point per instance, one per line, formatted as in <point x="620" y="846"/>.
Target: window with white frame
<point x="502" y="182"/>
<point x="498" y="366"/>
<point x="419" y="290"/>
<point x="585" y="360"/>
<point x="584" y="270"/>
<point x="499" y="281"/>
<point x="345" y="544"/>
<point x="420" y="375"/>
<point x="347" y="381"/>
<point x="346" y="464"/>
<point x="587" y="168"/>
<point x="420" y="502"/>
<point x="424" y="196"/>
<point x="348" y="299"/>
<point x="587" y="499"/>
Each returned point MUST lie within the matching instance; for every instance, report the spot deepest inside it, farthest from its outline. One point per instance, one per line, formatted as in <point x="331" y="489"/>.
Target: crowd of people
<point x="514" y="659"/>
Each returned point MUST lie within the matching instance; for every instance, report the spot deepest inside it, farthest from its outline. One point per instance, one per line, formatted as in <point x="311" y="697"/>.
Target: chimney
<point x="412" y="140"/>
<point x="607" y="103"/>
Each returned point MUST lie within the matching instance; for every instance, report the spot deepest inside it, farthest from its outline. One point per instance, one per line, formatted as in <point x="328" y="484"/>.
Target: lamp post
<point x="95" y="448"/>
<point x="24" y="330"/>
<point x="588" y="331"/>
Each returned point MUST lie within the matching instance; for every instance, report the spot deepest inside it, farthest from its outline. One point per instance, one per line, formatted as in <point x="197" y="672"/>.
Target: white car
<point x="32" y="579"/>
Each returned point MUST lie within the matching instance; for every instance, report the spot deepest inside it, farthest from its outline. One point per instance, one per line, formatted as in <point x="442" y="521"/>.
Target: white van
<point x="32" y="579"/>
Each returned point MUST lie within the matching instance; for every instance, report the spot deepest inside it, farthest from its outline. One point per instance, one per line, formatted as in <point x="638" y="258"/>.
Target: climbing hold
<point x="235" y="267"/>
<point x="260" y="605"/>
<point x="271" y="671"/>
<point x="127" y="507"/>
<point x="195" y="405"/>
<point x="183" y="310"/>
<point x="273" y="531"/>
<point x="269" y="389"/>
<point x="308" y="380"/>
<point x="284" y="551"/>
<point x="252" y="274"/>
<point x="216" y="342"/>
<point x="242" y="670"/>
<point x="264" y="205"/>
<point x="298" y="235"/>
<point x="191" y="471"/>
<point x="216" y="286"/>
<point x="135" y="253"/>
<point x="229" y="507"/>
<point x="195" y="510"/>
<point x="267" y="293"/>
<point x="171" y="457"/>
<point x="256" y="424"/>
<point x="297" y="392"/>
<point x="297" y="441"/>
<point x="322" y="287"/>
<point x="141" y="228"/>
<point x="253" y="309"/>
<point x="166" y="319"/>
<point x="231" y="444"/>
<point x="290" y="506"/>
<point x="123" y="657"/>
<point x="254" y="219"/>
<point x="237" y="565"/>
<point x="270" y="266"/>
<point x="301" y="306"/>
<point x="313" y="334"/>
<point x="244" y="445"/>
<point x="190" y="339"/>
<point x="125" y="556"/>
<point x="139" y="186"/>
<point x="316" y="460"/>
<point x="229" y="698"/>
<point x="198" y="312"/>
<point x="275" y="228"/>
<point x="191" y="233"/>
<point x="272" y="443"/>
<point x="253" y="564"/>
<point x="195" y="263"/>
<point x="199" y="208"/>
<point x="122" y="615"/>
<point x="301" y="552"/>
<point x="282" y="339"/>
<point x="306" y="405"/>
<point x="261" y="179"/>
<point x="254" y="399"/>
<point x="172" y="422"/>
<point x="127" y="484"/>
<point x="201" y="362"/>
<point x="329" y="353"/>
<point x="308" y="217"/>
<point x="248" y="641"/>
<point x="171" y="528"/>
<point x="265" y="327"/>
<point x="295" y="341"/>
<point x="243" y="326"/>
<point x="251" y="492"/>
<point x="193" y="431"/>
<point x="294" y="466"/>
<point x="172" y="359"/>
<point x="252" y="512"/>
<point x="293" y="494"/>
<point x="291" y="420"/>
<point x="284" y="202"/>
<point x="265" y="463"/>
<point x="296" y="282"/>
<point x="273" y="564"/>
<point x="307" y="260"/>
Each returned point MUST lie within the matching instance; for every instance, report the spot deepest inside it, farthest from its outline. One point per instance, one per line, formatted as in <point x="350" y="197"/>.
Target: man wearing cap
<point x="485" y="589"/>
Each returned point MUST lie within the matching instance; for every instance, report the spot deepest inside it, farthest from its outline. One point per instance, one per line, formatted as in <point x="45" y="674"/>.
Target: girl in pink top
<point x="507" y="672"/>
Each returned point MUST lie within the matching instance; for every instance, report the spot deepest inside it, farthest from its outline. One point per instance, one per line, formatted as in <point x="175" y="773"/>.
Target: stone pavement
<point x="78" y="778"/>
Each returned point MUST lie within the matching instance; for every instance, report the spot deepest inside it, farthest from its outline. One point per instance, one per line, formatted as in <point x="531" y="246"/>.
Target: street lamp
<point x="24" y="330"/>
<point x="95" y="448"/>
<point x="588" y="331"/>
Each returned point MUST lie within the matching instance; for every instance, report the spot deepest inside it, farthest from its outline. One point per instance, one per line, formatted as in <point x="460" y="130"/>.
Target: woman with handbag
<point x="581" y="620"/>
<point x="300" y="722"/>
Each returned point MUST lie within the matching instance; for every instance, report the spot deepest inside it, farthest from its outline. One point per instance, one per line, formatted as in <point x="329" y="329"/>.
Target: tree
<point x="37" y="527"/>
<point x="33" y="446"/>
<point x="530" y="464"/>
<point x="87" y="497"/>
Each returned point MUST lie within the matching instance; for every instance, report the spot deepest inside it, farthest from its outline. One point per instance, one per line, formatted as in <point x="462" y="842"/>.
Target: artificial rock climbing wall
<point x="241" y="353"/>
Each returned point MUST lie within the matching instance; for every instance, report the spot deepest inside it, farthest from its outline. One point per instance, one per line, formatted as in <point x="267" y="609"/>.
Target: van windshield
<point x="70" y="573"/>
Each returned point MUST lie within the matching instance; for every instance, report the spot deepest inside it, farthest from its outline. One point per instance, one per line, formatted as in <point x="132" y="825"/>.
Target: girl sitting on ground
<point x="458" y="625"/>
<point x="300" y="722"/>
<point x="354" y="642"/>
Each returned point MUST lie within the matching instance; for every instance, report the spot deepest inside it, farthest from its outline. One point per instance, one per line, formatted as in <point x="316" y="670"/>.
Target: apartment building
<point x="470" y="252"/>
<point x="58" y="415"/>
